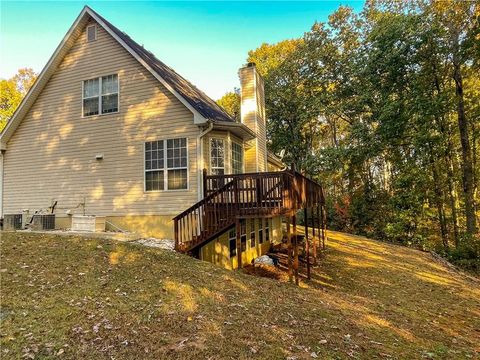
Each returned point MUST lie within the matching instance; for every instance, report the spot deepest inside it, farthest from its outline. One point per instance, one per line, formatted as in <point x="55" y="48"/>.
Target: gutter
<point x="200" y="162"/>
<point x="2" y="154"/>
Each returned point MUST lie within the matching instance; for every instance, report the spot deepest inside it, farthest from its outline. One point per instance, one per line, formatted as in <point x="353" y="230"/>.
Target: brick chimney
<point x="252" y="114"/>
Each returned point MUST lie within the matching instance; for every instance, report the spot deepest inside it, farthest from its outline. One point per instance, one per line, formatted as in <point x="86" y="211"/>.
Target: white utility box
<point x="88" y="223"/>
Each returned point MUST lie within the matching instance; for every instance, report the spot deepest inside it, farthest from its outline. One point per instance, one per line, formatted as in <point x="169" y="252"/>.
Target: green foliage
<point x="12" y="92"/>
<point x="10" y="97"/>
<point x="230" y="102"/>
<point x="467" y="254"/>
<point x="369" y="104"/>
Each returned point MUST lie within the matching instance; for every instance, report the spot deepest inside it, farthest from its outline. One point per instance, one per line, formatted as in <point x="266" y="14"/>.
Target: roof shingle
<point x="202" y="103"/>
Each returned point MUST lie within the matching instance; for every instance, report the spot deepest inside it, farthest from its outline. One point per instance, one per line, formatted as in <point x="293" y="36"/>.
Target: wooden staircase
<point x="230" y="197"/>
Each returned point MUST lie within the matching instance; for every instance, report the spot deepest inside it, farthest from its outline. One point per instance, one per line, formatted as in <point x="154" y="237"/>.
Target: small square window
<point x="232" y="241"/>
<point x="91" y="33"/>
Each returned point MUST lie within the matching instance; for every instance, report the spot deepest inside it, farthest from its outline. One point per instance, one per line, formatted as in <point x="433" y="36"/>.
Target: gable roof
<point x="203" y="107"/>
<point x="195" y="97"/>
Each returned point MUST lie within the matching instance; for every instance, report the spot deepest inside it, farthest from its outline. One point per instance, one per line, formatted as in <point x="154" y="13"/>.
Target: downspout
<point x="200" y="162"/>
<point x="1" y="182"/>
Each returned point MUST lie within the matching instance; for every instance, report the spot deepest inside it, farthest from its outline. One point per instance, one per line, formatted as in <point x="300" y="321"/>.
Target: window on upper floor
<point x="217" y="156"/>
<point x="237" y="158"/>
<point x="91" y="33"/>
<point x="166" y="165"/>
<point x="100" y="95"/>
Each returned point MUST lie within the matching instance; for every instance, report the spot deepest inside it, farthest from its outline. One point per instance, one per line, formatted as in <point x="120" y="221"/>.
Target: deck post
<point x="204" y="182"/>
<point x="175" y="227"/>
<point x="314" y="240"/>
<point x="295" y="240"/>
<point x="289" y="248"/>
<point x="238" y="242"/>
<point x="307" y="242"/>
<point x="324" y="227"/>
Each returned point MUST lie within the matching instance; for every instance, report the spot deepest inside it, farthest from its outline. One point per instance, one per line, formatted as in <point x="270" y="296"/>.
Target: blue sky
<point x="206" y="42"/>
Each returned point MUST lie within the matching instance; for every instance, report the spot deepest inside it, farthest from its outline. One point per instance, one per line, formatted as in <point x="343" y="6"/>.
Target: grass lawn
<point x="69" y="297"/>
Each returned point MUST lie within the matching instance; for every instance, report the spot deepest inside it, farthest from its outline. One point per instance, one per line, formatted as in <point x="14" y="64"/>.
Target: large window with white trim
<point x="237" y="158"/>
<point x="166" y="165"/>
<point x="100" y="95"/>
<point x="217" y="156"/>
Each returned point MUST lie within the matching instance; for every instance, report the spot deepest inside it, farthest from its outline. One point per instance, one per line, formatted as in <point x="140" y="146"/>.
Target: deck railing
<point x="228" y="197"/>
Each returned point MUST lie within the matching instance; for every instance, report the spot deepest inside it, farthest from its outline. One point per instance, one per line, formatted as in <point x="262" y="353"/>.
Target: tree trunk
<point x="452" y="193"/>
<point x="439" y="203"/>
<point x="467" y="167"/>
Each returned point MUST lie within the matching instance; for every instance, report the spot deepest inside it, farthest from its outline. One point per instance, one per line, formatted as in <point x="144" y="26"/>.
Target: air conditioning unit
<point x="12" y="222"/>
<point x="43" y="222"/>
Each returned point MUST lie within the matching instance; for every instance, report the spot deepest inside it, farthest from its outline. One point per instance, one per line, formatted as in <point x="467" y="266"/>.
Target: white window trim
<point x="86" y="32"/>
<point x="100" y="96"/>
<point x="165" y="167"/>
<point x="210" y="155"/>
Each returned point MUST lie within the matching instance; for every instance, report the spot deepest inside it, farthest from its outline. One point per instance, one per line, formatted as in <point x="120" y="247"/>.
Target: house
<point x="109" y="130"/>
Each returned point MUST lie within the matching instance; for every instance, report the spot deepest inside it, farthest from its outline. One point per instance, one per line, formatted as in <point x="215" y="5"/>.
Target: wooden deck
<point x="228" y="198"/>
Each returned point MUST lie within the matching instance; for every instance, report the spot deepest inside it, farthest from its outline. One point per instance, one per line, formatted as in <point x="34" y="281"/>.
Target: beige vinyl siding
<point x="248" y="116"/>
<point x="253" y="116"/>
<point x="273" y="166"/>
<point x="51" y="156"/>
<point x="217" y="251"/>
<point x="261" y="124"/>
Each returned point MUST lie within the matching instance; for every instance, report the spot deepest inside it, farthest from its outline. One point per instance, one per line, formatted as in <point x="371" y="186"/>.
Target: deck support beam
<point x="307" y="242"/>
<point x="314" y="240"/>
<point x="295" y="241"/>
<point x="289" y="250"/>
<point x="238" y="242"/>
<point x="323" y="220"/>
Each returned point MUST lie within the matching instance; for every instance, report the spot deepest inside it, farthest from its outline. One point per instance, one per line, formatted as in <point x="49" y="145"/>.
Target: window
<point x="91" y="33"/>
<point x="252" y="233"/>
<point x="243" y="234"/>
<point x="177" y="164"/>
<point x="217" y="157"/>
<point x="154" y="165"/>
<point x="91" y="101"/>
<point x="267" y="230"/>
<point x="260" y="231"/>
<point x="237" y="158"/>
<point x="100" y="95"/>
<point x="166" y="165"/>
<point x="232" y="241"/>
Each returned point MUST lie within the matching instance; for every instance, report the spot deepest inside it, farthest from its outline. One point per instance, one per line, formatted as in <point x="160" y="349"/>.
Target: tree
<point x="460" y="19"/>
<point x="12" y="92"/>
<point x="10" y="97"/>
<point x="268" y="57"/>
<point x="230" y="102"/>
<point x="382" y="107"/>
